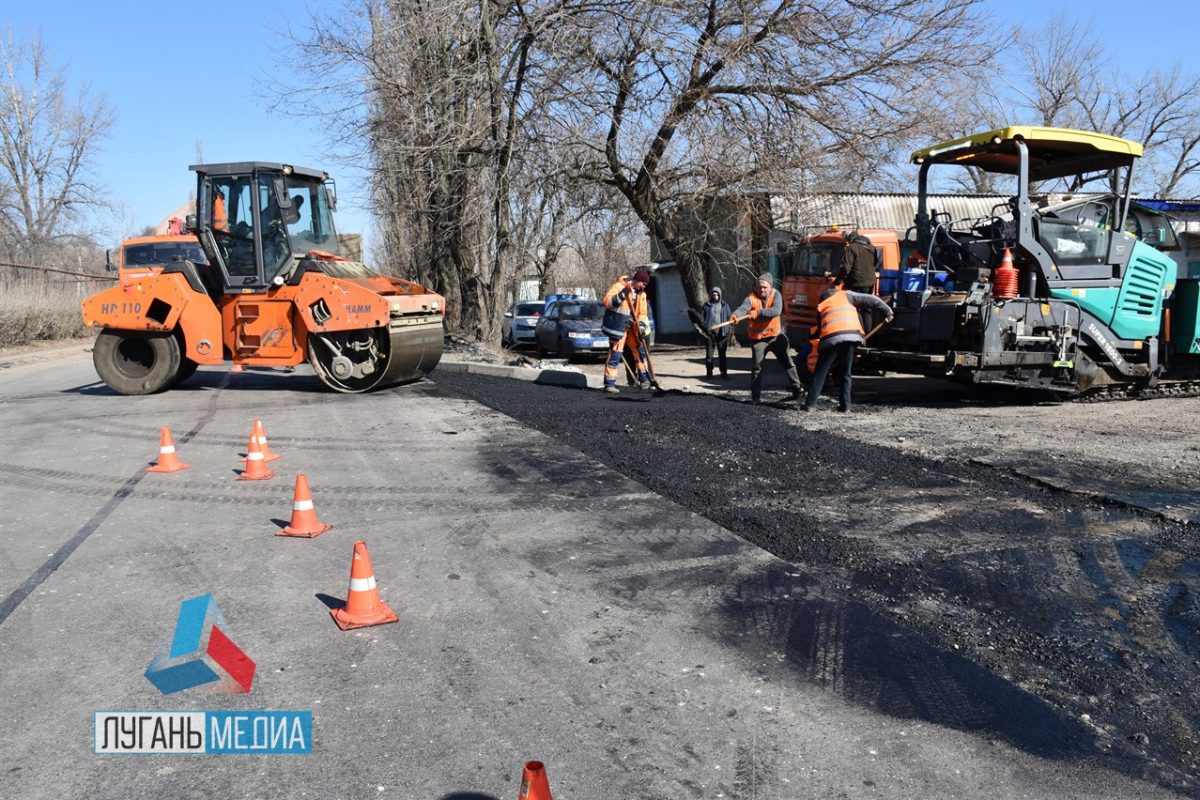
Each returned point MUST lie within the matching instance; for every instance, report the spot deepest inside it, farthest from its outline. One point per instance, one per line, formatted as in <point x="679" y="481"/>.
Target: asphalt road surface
<point x="654" y="596"/>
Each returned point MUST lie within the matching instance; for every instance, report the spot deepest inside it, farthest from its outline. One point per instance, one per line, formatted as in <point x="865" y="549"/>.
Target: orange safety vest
<point x="761" y="327"/>
<point x="220" y="221"/>
<point x="838" y="315"/>
<point x="636" y="309"/>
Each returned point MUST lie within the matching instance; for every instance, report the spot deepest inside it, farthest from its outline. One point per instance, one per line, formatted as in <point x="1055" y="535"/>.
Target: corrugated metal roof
<point x="894" y="211"/>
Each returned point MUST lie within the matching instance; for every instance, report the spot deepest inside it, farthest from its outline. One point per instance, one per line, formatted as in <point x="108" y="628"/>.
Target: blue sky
<point x="147" y="58"/>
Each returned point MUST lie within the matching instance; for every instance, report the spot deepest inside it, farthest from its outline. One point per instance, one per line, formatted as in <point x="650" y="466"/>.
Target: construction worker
<point x="714" y="312"/>
<point x="627" y="322"/>
<point x="220" y="219"/>
<point x="858" y="270"/>
<point x="840" y="332"/>
<point x="857" y="273"/>
<point x="763" y="308"/>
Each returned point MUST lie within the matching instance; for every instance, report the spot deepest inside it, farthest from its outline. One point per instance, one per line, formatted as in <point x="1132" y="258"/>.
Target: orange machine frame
<point x="257" y="328"/>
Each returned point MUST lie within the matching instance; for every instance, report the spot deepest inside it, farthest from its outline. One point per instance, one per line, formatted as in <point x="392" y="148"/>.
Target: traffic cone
<point x="534" y="785"/>
<point x="1006" y="278"/>
<point x="257" y="432"/>
<point x="256" y="468"/>
<point x="304" y="522"/>
<point x="167" y="460"/>
<point x="363" y="607"/>
<point x="262" y="442"/>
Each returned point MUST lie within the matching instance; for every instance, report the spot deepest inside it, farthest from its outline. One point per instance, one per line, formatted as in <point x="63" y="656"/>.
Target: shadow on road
<point x="850" y="649"/>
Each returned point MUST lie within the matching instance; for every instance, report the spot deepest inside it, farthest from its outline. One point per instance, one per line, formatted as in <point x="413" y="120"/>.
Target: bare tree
<point x="1068" y="80"/>
<point x="1162" y="111"/>
<point x="47" y="142"/>
<point x="496" y="130"/>
<point x="687" y="98"/>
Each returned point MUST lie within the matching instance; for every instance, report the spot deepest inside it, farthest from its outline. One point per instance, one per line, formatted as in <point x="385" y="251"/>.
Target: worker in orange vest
<point x="627" y="322"/>
<point x="840" y="332"/>
<point x="763" y="308"/>
<point x="220" y="219"/>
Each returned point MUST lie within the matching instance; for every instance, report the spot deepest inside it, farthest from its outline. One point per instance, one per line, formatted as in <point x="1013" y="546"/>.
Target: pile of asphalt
<point x="1087" y="609"/>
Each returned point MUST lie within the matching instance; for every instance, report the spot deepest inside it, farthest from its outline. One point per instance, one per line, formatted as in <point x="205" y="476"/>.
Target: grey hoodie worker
<point x="714" y="312"/>
<point x="763" y="308"/>
<point x="841" y="332"/>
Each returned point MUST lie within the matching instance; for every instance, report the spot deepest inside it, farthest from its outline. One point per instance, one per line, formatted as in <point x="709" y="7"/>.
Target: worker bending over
<point x="840" y="332"/>
<point x="763" y="308"/>
<point x="627" y="322"/>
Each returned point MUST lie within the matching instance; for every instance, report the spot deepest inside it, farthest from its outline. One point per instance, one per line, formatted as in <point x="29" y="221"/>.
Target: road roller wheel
<point x="136" y="362"/>
<point x="349" y="361"/>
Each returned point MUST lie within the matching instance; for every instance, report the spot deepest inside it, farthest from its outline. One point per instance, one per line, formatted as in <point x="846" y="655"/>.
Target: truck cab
<point x="147" y="255"/>
<point x="812" y="263"/>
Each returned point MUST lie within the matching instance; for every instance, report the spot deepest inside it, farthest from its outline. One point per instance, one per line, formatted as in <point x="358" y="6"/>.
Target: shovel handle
<point x="721" y="325"/>
<point x="876" y="329"/>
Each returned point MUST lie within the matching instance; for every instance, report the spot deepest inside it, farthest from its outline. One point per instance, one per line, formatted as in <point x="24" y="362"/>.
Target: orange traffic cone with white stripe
<point x="534" y="784"/>
<point x="363" y="607"/>
<point x="262" y="442"/>
<point x="256" y="468"/>
<point x="304" y="522"/>
<point x="258" y="432"/>
<point x="167" y="460"/>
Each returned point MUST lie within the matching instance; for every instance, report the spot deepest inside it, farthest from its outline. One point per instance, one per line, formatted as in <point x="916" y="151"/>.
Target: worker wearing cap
<point x="764" y="308"/>
<point x="840" y="332"/>
<point x="628" y="297"/>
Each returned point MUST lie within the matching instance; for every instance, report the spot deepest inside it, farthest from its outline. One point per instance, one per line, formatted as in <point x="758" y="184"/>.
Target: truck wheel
<point x="136" y="362"/>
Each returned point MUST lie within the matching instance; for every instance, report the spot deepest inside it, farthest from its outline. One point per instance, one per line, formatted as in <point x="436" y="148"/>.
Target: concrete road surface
<point x="548" y="607"/>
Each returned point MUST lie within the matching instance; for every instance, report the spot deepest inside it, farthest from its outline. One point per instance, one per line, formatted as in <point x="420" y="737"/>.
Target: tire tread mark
<point x="60" y="555"/>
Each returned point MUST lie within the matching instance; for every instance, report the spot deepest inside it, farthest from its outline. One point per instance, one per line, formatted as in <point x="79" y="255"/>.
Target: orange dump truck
<point x="810" y="267"/>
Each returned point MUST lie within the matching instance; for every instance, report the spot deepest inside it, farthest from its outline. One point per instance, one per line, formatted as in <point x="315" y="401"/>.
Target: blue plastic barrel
<point x="889" y="281"/>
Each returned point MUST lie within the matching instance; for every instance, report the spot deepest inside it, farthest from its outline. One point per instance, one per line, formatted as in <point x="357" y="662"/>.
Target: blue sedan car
<point x="571" y="328"/>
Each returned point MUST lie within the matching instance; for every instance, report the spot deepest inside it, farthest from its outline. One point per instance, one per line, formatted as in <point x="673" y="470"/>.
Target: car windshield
<point x="145" y="255"/>
<point x="528" y="309"/>
<point x="582" y="311"/>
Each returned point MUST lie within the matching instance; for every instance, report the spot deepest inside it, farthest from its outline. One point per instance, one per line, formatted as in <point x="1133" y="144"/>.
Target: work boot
<point x="611" y="390"/>
<point x="708" y="371"/>
<point x="797" y="392"/>
<point x="843" y="408"/>
<point x="644" y="385"/>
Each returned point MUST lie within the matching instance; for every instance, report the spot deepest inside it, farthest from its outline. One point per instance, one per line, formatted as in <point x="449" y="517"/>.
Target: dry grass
<point x="39" y="310"/>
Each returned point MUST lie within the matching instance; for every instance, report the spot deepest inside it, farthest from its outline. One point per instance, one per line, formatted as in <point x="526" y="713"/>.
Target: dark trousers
<point x="720" y="346"/>
<point x="842" y="353"/>
<point x="759" y="350"/>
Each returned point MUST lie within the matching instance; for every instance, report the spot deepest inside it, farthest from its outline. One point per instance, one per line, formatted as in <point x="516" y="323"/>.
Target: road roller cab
<point x="275" y="291"/>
